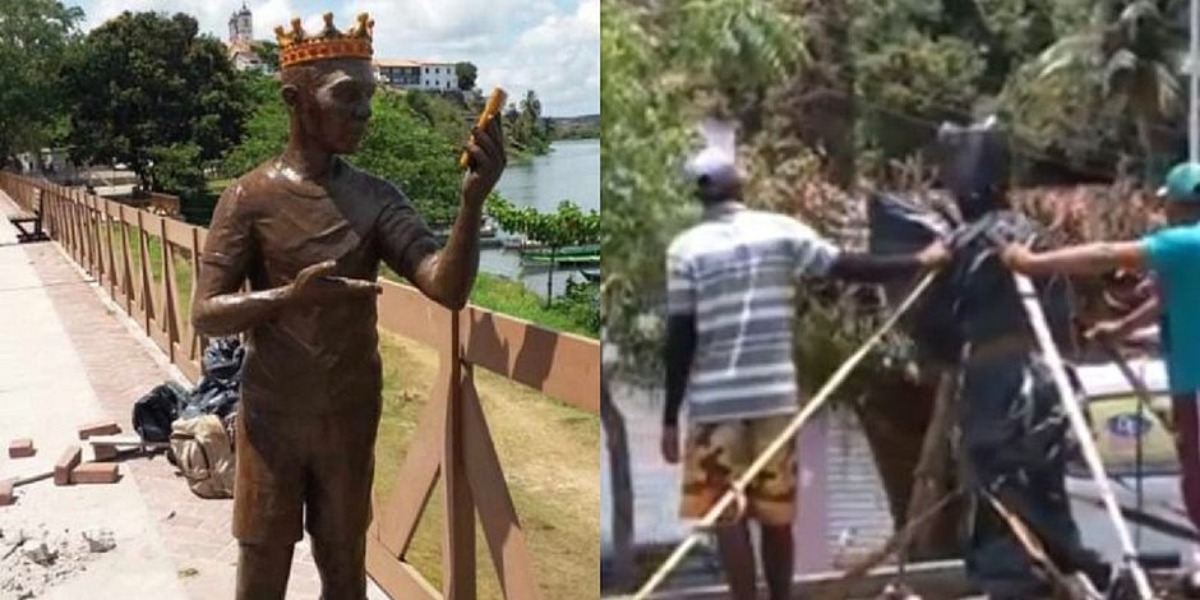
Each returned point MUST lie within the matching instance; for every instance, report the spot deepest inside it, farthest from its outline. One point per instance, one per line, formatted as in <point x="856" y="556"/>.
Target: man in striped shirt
<point x="732" y="311"/>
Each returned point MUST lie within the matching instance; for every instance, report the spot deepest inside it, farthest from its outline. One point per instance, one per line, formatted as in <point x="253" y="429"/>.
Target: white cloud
<point x="212" y="15"/>
<point x="517" y="44"/>
<point x="559" y="58"/>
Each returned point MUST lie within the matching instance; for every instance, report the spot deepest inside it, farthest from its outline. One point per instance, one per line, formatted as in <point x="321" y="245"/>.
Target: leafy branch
<point x="568" y="226"/>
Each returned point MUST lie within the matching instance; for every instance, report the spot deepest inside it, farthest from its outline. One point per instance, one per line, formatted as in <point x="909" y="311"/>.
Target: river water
<point x="571" y="171"/>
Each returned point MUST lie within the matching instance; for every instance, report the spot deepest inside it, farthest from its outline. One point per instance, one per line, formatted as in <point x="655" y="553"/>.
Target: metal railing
<point x="116" y="245"/>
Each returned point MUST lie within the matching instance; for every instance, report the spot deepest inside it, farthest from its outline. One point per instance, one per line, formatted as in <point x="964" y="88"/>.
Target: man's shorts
<point x="717" y="454"/>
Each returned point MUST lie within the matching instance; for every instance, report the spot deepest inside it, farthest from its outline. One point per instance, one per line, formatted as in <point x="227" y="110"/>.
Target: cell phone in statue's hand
<point x="493" y="107"/>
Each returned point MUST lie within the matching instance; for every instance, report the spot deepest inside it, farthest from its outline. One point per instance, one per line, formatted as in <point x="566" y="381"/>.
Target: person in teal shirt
<point x="1172" y="255"/>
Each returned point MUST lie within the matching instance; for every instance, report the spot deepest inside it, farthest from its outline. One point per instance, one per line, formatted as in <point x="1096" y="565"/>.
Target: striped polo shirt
<point x="736" y="272"/>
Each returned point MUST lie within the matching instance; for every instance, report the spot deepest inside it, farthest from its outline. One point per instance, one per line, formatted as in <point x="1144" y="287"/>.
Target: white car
<point x="1120" y="427"/>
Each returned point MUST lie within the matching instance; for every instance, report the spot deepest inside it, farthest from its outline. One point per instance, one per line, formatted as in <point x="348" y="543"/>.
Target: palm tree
<point x="531" y="105"/>
<point x="531" y="118"/>
<point x="1137" y="53"/>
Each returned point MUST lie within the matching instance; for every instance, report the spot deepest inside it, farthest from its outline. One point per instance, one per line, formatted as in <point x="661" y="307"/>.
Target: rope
<point x="1033" y="547"/>
<point x="781" y="440"/>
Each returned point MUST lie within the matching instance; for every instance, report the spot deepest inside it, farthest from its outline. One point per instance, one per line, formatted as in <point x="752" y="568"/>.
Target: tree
<point x="666" y="65"/>
<point x="34" y="37"/>
<point x="268" y="53"/>
<point x="533" y="127"/>
<point x="1135" y="56"/>
<point x="404" y="149"/>
<point x="442" y="114"/>
<point x="144" y="82"/>
<point x="467" y="74"/>
<point x="266" y="131"/>
<point x="174" y="169"/>
<point x="568" y="226"/>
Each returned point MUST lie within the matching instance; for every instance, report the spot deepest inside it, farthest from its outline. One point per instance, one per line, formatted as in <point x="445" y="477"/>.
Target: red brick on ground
<point x="21" y="448"/>
<point x="67" y="463"/>
<point x="95" y="473"/>
<point x="99" y="428"/>
<point x="7" y="493"/>
<point x="104" y="452"/>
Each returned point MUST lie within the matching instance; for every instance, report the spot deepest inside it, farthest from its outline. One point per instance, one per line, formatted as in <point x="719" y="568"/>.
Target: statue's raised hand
<point x="488" y="159"/>
<point x="315" y="285"/>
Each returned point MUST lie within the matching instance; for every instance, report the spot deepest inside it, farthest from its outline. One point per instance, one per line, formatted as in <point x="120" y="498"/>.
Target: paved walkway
<point x="67" y="357"/>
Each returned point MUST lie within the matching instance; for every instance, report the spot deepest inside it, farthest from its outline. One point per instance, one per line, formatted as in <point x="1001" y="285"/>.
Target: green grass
<point x="548" y="451"/>
<point x="511" y="297"/>
<point x="183" y="267"/>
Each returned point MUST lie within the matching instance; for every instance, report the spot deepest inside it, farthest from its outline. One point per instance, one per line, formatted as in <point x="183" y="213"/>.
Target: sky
<point x="549" y="46"/>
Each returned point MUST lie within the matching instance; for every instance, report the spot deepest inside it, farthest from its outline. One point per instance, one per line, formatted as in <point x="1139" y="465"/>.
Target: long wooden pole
<point x="739" y="486"/>
<point x="1037" y="319"/>
<point x="929" y="477"/>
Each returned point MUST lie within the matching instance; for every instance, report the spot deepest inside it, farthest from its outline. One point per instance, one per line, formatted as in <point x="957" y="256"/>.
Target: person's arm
<point x="1143" y="316"/>
<point x="874" y="268"/>
<point x="680" y="349"/>
<point x="679" y="354"/>
<point x="218" y="308"/>
<point x="1085" y="259"/>
<point x="819" y="257"/>
<point x="1118" y="329"/>
<point x="447" y="276"/>
<point x="410" y="248"/>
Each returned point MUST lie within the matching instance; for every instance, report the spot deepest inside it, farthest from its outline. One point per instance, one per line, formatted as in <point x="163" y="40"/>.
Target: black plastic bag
<point x="154" y="412"/>
<point x="219" y="390"/>
<point x="900" y="226"/>
<point x="223" y="360"/>
<point x="216" y="400"/>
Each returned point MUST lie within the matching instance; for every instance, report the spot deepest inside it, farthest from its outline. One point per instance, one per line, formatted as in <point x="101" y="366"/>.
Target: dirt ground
<point x="550" y="455"/>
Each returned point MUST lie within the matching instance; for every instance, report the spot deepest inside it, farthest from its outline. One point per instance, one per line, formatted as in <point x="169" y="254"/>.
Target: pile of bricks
<point x="70" y="468"/>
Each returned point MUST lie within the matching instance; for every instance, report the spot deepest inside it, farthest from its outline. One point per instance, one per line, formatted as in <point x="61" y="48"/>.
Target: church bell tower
<point x="241" y="25"/>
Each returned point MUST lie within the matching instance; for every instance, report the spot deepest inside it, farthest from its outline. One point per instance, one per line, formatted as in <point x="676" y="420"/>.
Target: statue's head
<point x="328" y="81"/>
<point x="974" y="164"/>
<point x="1181" y="191"/>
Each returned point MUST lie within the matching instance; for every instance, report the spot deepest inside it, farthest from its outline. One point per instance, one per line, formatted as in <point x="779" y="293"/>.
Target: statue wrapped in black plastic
<point x="1013" y="431"/>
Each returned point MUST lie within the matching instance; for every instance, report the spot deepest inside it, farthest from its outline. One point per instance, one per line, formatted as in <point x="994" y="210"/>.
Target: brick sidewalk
<point x="121" y="367"/>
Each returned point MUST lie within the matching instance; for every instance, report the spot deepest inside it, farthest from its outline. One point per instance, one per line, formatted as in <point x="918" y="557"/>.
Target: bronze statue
<point x="308" y="232"/>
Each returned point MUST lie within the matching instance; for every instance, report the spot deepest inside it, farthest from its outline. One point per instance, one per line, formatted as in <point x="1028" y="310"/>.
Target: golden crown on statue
<point x="297" y="46"/>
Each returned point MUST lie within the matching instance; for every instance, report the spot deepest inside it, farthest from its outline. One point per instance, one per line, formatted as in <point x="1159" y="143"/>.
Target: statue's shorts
<point x="1014" y="441"/>
<point x="717" y="454"/>
<point x="299" y="470"/>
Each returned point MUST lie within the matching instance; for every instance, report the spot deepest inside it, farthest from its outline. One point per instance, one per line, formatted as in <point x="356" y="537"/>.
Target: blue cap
<point x="1182" y="184"/>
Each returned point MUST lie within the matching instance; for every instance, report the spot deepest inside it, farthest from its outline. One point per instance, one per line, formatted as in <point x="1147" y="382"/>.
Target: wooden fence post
<point x="459" y="549"/>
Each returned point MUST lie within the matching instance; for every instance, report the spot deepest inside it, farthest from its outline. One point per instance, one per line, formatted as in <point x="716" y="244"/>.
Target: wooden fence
<point x="147" y="262"/>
